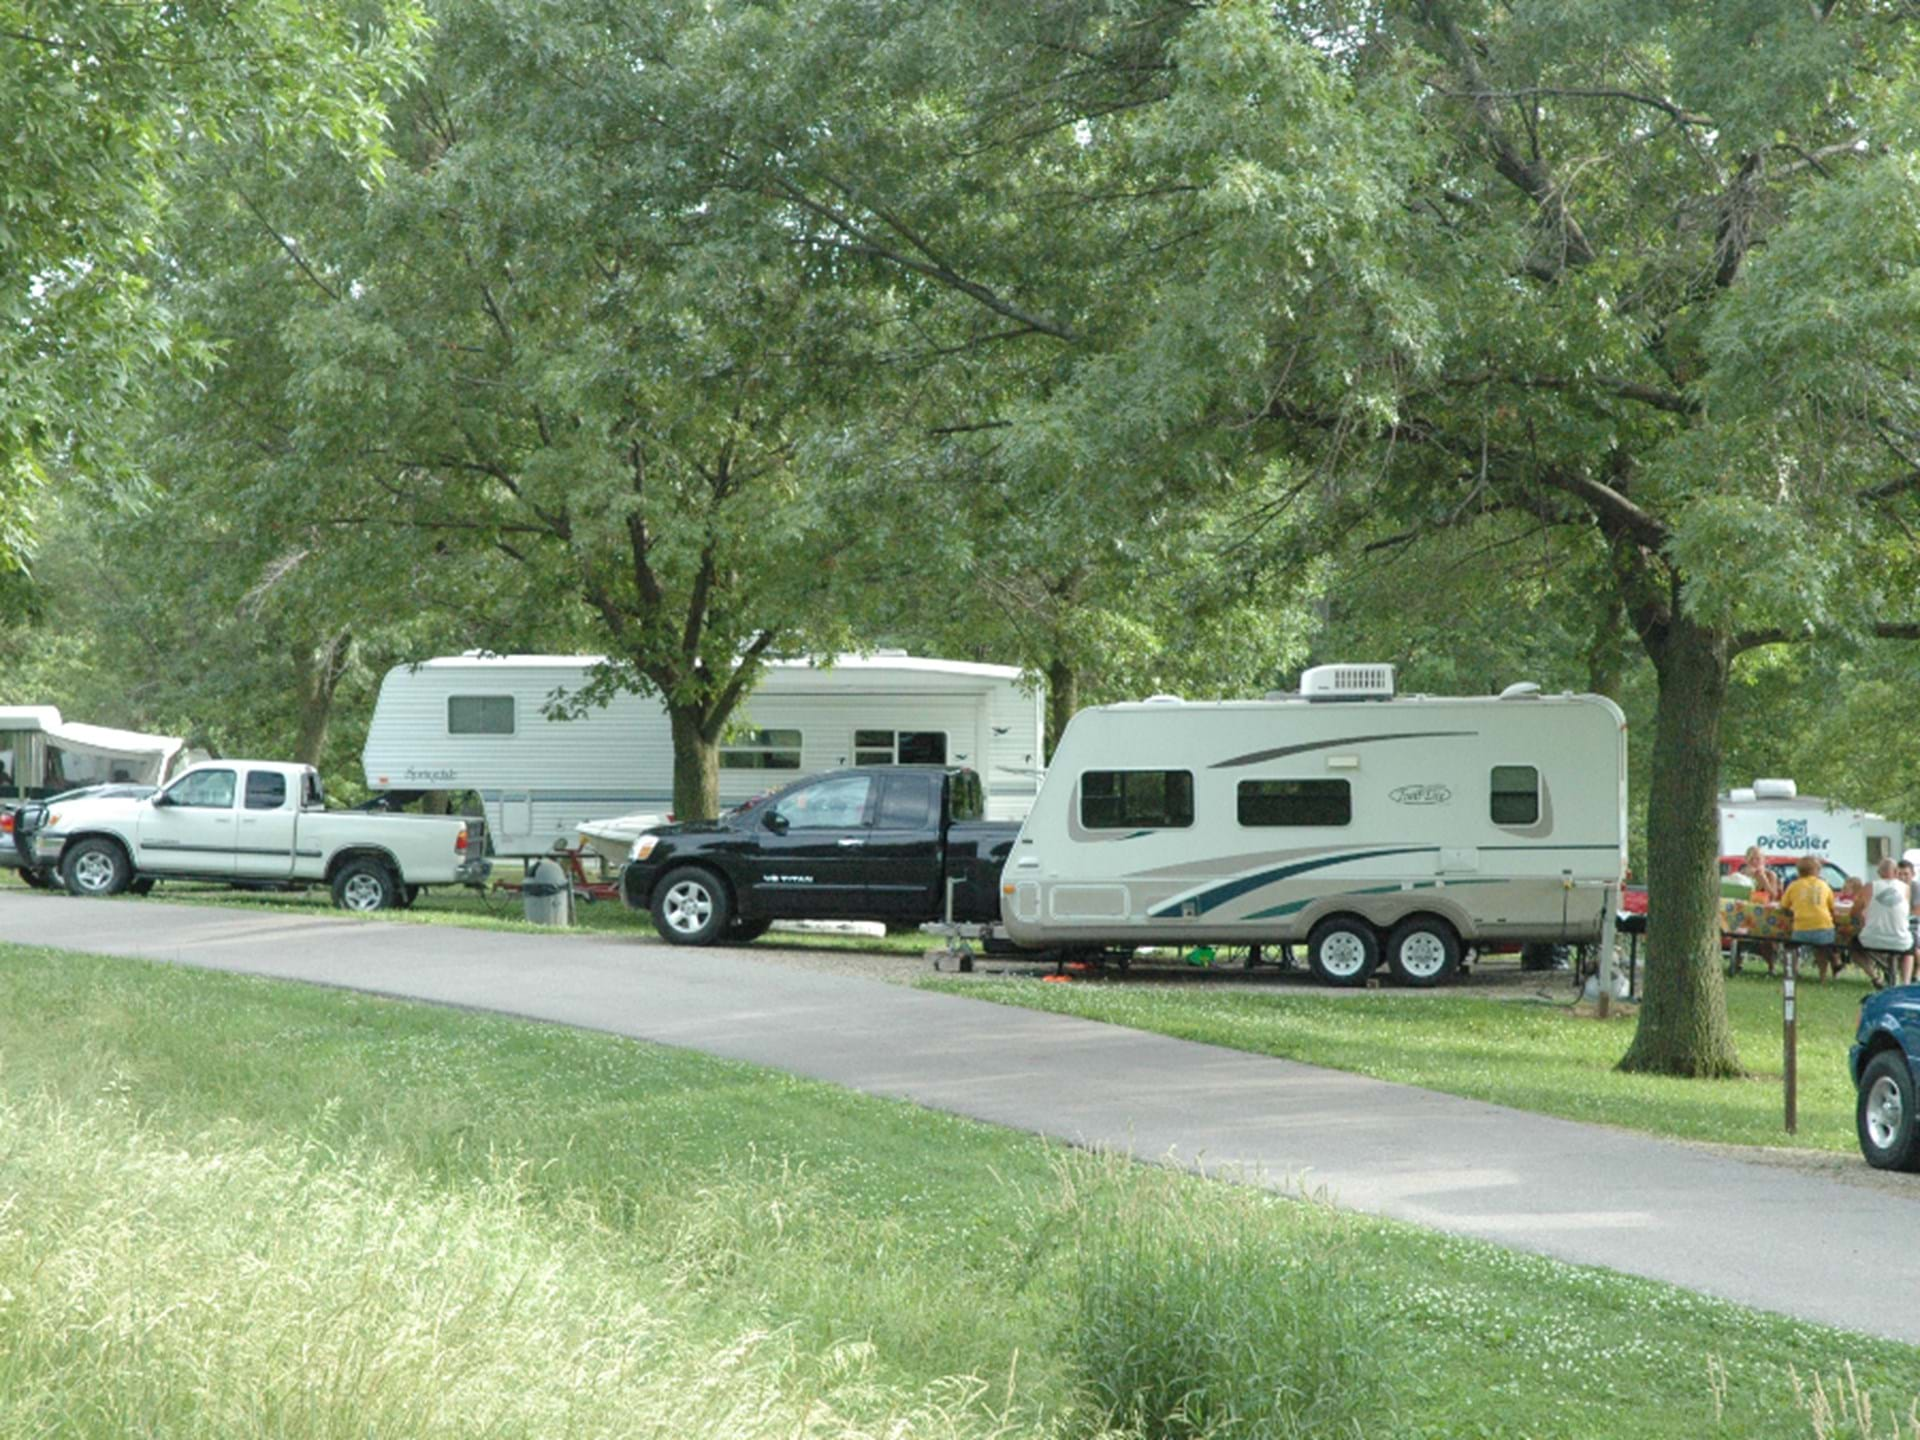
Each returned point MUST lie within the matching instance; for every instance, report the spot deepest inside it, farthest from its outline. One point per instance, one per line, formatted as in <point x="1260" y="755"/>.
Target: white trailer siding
<point x="543" y="779"/>
<point x="1422" y="834"/>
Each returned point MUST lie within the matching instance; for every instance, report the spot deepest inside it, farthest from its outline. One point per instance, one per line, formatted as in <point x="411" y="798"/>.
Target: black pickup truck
<point x="873" y="843"/>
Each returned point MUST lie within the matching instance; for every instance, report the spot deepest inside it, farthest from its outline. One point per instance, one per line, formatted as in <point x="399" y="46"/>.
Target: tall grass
<point x="1210" y="1322"/>
<point x="284" y="1289"/>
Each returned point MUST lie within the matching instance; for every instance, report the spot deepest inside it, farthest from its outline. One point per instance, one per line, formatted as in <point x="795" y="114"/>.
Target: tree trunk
<point x="1683" y="1027"/>
<point x="696" y="763"/>
<point x="317" y="671"/>
<point x="1606" y="655"/>
<point x="1063" y="699"/>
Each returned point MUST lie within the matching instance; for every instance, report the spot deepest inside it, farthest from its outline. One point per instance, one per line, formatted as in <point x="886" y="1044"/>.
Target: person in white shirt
<point x="1885" y="933"/>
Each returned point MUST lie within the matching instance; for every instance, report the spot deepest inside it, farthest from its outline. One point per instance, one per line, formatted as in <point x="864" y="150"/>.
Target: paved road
<point x="1756" y="1234"/>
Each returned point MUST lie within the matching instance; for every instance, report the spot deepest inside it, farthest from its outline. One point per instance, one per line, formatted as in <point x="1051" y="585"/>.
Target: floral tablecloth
<point x="1758" y="920"/>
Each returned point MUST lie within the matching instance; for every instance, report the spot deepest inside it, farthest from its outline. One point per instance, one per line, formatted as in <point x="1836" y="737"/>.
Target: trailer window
<point x="1136" y="799"/>
<point x="899" y="747"/>
<point x="1516" y="795"/>
<point x="762" y="750"/>
<point x="1295" y="802"/>
<point x="480" y="715"/>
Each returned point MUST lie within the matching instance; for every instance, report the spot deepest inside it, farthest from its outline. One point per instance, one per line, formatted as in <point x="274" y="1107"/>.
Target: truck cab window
<point x="480" y="715"/>
<point x="1136" y="799"/>
<point x="839" y="803"/>
<point x="310" y="796"/>
<point x="204" y="790"/>
<point x="1295" y="802"/>
<point x="1515" y="795"/>
<point x="908" y="802"/>
<point x="266" y="790"/>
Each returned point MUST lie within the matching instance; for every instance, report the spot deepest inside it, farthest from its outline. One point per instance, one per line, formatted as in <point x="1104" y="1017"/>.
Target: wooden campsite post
<point x="1789" y="1039"/>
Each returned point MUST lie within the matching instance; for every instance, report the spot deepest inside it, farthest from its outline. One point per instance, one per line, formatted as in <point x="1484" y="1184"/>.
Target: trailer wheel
<point x="1423" y="950"/>
<point x="1343" y="951"/>
<point x="690" y="907"/>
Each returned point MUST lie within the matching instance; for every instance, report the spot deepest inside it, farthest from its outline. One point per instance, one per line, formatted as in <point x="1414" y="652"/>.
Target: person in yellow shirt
<point x="1809" y="900"/>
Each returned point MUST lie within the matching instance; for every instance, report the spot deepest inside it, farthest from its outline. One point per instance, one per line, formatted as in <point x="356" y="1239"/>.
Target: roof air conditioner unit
<point x="1775" y="789"/>
<point x="1347" y="682"/>
<point x="1742" y="795"/>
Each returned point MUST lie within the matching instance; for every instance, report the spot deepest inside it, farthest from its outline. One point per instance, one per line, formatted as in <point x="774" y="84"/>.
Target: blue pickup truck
<point x="1885" y="1052"/>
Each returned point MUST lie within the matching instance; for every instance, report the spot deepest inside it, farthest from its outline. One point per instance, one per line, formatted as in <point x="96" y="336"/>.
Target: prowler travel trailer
<point x="1785" y="824"/>
<point x="479" y="722"/>
<point x="1390" y="828"/>
<point x="42" y="754"/>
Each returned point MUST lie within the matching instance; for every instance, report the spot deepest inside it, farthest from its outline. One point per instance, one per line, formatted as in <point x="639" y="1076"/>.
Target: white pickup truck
<point x="254" y="822"/>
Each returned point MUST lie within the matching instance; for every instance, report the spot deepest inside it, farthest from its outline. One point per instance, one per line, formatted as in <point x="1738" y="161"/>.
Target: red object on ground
<point x="1056" y="979"/>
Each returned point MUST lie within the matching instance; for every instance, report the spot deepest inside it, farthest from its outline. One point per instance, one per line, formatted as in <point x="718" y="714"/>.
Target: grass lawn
<point x="492" y="910"/>
<point x="236" y="1207"/>
<point x="1528" y="1054"/>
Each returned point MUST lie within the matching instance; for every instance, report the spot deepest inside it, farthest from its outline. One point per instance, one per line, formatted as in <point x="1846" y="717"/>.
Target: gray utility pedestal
<point x="547" y="895"/>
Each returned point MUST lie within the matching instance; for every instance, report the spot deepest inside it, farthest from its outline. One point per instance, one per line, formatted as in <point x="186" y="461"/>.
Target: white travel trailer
<point x="1785" y="824"/>
<point x="478" y="722"/>
<point x="41" y="754"/>
<point x="1384" y="827"/>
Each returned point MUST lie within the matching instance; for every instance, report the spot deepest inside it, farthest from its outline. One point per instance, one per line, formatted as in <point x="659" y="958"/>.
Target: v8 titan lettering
<point x="789" y="879"/>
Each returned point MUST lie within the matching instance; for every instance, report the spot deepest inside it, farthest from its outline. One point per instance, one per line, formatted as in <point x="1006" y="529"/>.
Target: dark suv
<point x="1882" y="1061"/>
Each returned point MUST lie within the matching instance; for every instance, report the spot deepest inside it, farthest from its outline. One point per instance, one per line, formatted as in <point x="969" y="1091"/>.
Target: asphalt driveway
<point x="1760" y="1235"/>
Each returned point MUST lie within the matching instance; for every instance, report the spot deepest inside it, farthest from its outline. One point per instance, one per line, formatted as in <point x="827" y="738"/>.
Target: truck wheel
<point x="690" y="907"/>
<point x="1343" y="951"/>
<point x="745" y="932"/>
<point x="1884" y="1114"/>
<point x="95" y="867"/>
<point x="365" y="886"/>
<point x="1423" y="950"/>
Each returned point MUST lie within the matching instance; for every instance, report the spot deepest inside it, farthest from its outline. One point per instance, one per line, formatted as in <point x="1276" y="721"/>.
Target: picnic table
<point x="1764" y="920"/>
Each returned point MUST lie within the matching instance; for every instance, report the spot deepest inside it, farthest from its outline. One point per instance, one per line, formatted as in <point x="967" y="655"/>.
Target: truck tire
<point x="1343" y="950"/>
<point x="1423" y="950"/>
<point x="95" y="867"/>
<point x="365" y="885"/>
<point x="1884" y="1114"/>
<point x="690" y="907"/>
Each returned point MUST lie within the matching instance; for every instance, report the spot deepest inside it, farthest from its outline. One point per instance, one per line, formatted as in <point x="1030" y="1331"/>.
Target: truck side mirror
<point x="162" y="798"/>
<point x="776" y="822"/>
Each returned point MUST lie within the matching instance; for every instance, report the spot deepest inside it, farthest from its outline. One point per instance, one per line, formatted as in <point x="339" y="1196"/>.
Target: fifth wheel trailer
<point x="479" y="722"/>
<point x="1368" y="825"/>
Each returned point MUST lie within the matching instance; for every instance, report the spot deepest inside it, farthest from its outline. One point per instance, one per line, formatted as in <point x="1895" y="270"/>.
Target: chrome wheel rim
<point x="688" y="907"/>
<point x="1884" y="1112"/>
<point x="1423" y="955"/>
<point x="1343" y="954"/>
<point x="94" y="872"/>
<point x="363" y="892"/>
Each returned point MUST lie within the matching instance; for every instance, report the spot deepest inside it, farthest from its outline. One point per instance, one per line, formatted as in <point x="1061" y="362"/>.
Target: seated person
<point x="1809" y="900"/>
<point x="1884" y="940"/>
